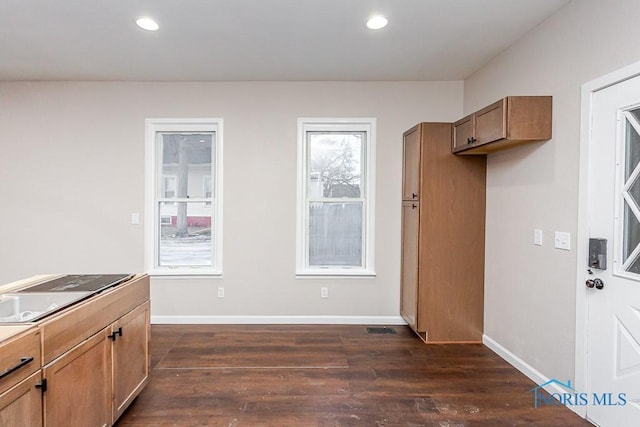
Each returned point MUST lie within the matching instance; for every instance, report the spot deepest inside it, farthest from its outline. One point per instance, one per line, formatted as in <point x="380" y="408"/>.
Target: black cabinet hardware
<point x="113" y="336"/>
<point x="42" y="385"/>
<point x="23" y="361"/>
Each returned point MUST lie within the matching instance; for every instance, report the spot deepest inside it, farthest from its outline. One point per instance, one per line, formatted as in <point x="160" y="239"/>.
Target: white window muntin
<point x="626" y="123"/>
<point x="153" y="188"/>
<point x="367" y="197"/>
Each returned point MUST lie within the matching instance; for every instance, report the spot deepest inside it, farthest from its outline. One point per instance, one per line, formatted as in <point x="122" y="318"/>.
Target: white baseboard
<point x="279" y="320"/>
<point x="532" y="373"/>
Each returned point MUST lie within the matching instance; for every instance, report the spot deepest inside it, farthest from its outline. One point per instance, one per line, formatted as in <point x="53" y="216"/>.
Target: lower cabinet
<point x="94" y="382"/>
<point x="20" y="395"/>
<point x="130" y="374"/>
<point x="78" y="390"/>
<point x="82" y="366"/>
<point x="21" y="405"/>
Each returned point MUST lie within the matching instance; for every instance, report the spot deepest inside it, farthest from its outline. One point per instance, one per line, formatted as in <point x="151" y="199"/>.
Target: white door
<point x="613" y="338"/>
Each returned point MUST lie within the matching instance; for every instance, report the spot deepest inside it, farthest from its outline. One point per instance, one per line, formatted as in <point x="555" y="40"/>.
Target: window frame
<point x="367" y="125"/>
<point x="152" y="222"/>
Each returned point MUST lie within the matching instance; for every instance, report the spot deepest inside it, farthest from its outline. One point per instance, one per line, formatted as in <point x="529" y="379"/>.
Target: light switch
<point x="562" y="240"/>
<point x="135" y="218"/>
<point x="537" y="237"/>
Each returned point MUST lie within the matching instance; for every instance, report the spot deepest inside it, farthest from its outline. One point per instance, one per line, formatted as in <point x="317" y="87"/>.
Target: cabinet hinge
<point x="42" y="385"/>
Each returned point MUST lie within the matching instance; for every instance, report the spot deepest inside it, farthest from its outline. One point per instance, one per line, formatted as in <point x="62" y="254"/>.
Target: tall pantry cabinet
<point x="443" y="220"/>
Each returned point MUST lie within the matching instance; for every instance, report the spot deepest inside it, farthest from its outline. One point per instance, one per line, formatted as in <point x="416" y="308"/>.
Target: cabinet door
<point x="411" y="165"/>
<point x="79" y="385"/>
<point x="491" y="123"/>
<point x="463" y="133"/>
<point x="21" y="406"/>
<point x="130" y="357"/>
<point x="409" y="268"/>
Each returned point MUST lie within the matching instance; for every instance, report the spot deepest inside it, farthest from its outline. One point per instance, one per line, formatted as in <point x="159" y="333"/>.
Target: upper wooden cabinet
<point x="511" y="121"/>
<point x="411" y="166"/>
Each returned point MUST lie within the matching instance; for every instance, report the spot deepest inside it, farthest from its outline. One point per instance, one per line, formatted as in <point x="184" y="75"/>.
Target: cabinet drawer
<point x="19" y="358"/>
<point x="75" y="325"/>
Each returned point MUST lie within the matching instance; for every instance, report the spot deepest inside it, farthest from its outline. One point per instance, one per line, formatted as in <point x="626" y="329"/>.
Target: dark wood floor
<point x="321" y="376"/>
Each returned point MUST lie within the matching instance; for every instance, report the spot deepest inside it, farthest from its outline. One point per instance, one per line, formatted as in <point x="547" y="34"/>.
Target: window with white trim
<point x="184" y="198"/>
<point x="336" y="171"/>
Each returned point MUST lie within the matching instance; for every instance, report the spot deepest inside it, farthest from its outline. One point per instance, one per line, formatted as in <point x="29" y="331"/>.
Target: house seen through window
<point x="183" y="201"/>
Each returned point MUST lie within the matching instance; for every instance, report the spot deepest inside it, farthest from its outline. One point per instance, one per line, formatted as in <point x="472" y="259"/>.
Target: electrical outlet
<point x="562" y="240"/>
<point x="324" y="292"/>
<point x="220" y="292"/>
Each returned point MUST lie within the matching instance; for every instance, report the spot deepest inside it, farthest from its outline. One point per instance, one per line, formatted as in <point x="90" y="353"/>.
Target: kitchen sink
<point x="29" y="307"/>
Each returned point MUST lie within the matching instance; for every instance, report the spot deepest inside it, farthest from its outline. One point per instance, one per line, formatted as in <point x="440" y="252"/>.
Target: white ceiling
<point x="229" y="40"/>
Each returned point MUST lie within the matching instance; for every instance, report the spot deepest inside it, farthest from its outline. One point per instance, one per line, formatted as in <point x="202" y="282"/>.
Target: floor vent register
<point x="381" y="331"/>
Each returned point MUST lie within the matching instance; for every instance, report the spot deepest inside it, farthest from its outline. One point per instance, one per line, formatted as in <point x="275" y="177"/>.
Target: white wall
<point x="72" y="172"/>
<point x="530" y="290"/>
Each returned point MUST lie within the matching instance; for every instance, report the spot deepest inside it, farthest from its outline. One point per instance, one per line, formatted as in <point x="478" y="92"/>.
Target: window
<point x="184" y="198"/>
<point x="336" y="159"/>
<point x="169" y="187"/>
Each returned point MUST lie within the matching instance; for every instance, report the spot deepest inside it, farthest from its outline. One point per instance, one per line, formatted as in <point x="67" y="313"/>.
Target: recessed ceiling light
<point x="376" y="22"/>
<point x="147" y="23"/>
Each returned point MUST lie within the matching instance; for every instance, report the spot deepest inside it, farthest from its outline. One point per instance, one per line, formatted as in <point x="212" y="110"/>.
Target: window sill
<point x="184" y="273"/>
<point x="324" y="273"/>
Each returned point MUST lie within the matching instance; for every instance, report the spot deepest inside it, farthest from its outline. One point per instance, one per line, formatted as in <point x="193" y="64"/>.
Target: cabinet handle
<point x="113" y="336"/>
<point x="413" y="206"/>
<point x="42" y="385"/>
<point x="414" y="195"/>
<point x="471" y="140"/>
<point x="23" y="361"/>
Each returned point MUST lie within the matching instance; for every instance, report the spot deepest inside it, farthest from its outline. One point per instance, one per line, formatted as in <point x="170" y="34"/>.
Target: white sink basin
<point x="21" y="307"/>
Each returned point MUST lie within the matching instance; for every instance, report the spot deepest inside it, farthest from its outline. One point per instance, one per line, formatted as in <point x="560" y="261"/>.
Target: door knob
<point x="595" y="283"/>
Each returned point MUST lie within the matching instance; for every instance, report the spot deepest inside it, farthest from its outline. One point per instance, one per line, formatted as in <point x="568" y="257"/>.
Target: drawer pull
<point x="23" y="361"/>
